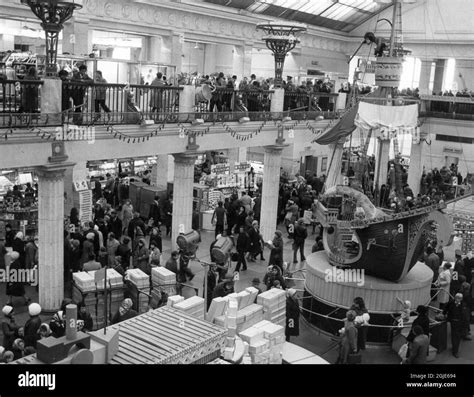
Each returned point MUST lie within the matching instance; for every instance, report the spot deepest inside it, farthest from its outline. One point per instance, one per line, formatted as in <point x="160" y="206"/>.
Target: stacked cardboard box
<point x="265" y="341"/>
<point x="164" y="280"/>
<point x="173" y="300"/>
<point x="244" y="318"/>
<point x="114" y="279"/>
<point x="274" y="305"/>
<point x="193" y="306"/>
<point x="84" y="281"/>
<point x="141" y="289"/>
<point x="94" y="297"/>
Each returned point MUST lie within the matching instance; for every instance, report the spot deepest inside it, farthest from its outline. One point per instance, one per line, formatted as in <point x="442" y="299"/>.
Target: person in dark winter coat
<point x="88" y="248"/>
<point x="125" y="252"/>
<point x="243" y="245"/>
<point x="348" y="343"/>
<point x="15" y="288"/>
<point x="292" y="314"/>
<point x="418" y="347"/>
<point x="32" y="325"/>
<point x="273" y="274"/>
<point x="155" y="237"/>
<point x="9" y="327"/>
<point x="134" y="223"/>
<point x="155" y="212"/>
<point x="299" y="238"/>
<point x="256" y="242"/>
<point x="276" y="253"/>
<point x="115" y="225"/>
<point x="124" y="312"/>
<point x="422" y="320"/>
<point x="19" y="246"/>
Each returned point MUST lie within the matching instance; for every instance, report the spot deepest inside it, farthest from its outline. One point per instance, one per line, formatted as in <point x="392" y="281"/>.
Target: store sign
<point x="242" y="167"/>
<point x="221" y="168"/>
<point x="80" y="185"/>
<point x="85" y="206"/>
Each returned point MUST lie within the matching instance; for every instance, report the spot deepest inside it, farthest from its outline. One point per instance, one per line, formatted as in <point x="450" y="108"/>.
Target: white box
<point x="252" y="335"/>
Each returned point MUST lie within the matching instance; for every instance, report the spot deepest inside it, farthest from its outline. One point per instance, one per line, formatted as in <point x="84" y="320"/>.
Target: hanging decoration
<point x="133" y="138"/>
<point x="243" y="137"/>
<point x="183" y="131"/>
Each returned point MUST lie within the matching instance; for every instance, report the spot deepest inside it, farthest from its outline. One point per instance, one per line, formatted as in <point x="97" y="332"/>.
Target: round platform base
<point x="330" y="292"/>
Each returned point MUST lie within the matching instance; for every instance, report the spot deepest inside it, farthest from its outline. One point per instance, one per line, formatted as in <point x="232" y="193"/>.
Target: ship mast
<point x="383" y="146"/>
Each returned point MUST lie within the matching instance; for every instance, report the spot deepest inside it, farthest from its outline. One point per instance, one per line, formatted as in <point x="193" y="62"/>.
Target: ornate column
<point x="51" y="238"/>
<point x="182" y="194"/>
<point x="271" y="183"/>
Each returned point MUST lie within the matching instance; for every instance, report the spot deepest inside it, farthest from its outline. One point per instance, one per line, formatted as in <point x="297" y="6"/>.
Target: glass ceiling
<point x="342" y="15"/>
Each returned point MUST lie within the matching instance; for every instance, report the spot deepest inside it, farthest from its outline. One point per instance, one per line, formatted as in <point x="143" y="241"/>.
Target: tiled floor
<point x="310" y="338"/>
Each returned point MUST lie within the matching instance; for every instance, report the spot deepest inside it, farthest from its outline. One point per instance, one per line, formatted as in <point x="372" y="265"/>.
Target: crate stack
<point x="141" y="291"/>
<point x="84" y="290"/>
<point x="265" y="343"/>
<point x="114" y="296"/>
<point x="274" y="305"/>
<point x="194" y="306"/>
<point x="248" y="313"/>
<point x="162" y="281"/>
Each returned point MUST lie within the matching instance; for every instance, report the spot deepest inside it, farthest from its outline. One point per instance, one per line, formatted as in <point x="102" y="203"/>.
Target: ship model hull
<point x="386" y="246"/>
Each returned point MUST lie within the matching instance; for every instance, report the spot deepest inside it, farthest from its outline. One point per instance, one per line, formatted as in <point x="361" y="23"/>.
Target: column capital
<point x="277" y="148"/>
<point x="187" y="158"/>
<point x="53" y="171"/>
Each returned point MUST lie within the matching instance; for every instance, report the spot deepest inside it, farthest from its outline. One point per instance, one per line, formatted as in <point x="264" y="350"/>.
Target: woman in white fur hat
<point x="32" y="325"/>
<point x="9" y="327"/>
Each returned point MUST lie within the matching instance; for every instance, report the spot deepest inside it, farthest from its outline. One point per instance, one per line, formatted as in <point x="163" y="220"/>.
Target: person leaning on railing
<point x="29" y="98"/>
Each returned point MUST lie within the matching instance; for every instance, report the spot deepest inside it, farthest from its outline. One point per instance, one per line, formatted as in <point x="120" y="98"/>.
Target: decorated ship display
<point x="385" y="243"/>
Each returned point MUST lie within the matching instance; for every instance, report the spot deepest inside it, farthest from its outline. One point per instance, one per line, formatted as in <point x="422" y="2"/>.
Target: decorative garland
<point x="183" y="131"/>
<point x="133" y="138"/>
<point x="243" y="137"/>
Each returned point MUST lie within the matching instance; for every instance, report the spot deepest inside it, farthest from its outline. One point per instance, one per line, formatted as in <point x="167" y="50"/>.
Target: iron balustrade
<point x="226" y="99"/>
<point x="88" y="103"/>
<point x="297" y="100"/>
<point x="453" y="107"/>
<point x="17" y="97"/>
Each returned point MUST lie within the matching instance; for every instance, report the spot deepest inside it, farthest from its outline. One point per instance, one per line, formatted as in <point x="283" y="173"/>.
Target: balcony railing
<point x="18" y="97"/>
<point x="295" y="100"/>
<point x="92" y="103"/>
<point x="229" y="100"/>
<point x="453" y="107"/>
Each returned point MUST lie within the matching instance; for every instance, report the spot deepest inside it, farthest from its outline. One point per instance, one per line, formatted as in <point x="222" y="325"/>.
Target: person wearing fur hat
<point x="32" y="325"/>
<point x="9" y="327"/>
<point x="84" y="318"/>
<point x="276" y="253"/>
<point x="15" y="288"/>
<point x="8" y="357"/>
<point x="88" y="247"/>
<point x="292" y="314"/>
<point x="44" y="331"/>
<point x="256" y="242"/>
<point x="273" y="273"/>
<point x="18" y="348"/>
<point x="124" y="312"/>
<point x="141" y="256"/>
<point x="348" y="342"/>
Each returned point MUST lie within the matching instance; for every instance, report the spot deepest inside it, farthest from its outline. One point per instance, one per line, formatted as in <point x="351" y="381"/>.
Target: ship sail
<point x="343" y="128"/>
<point x="381" y="116"/>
